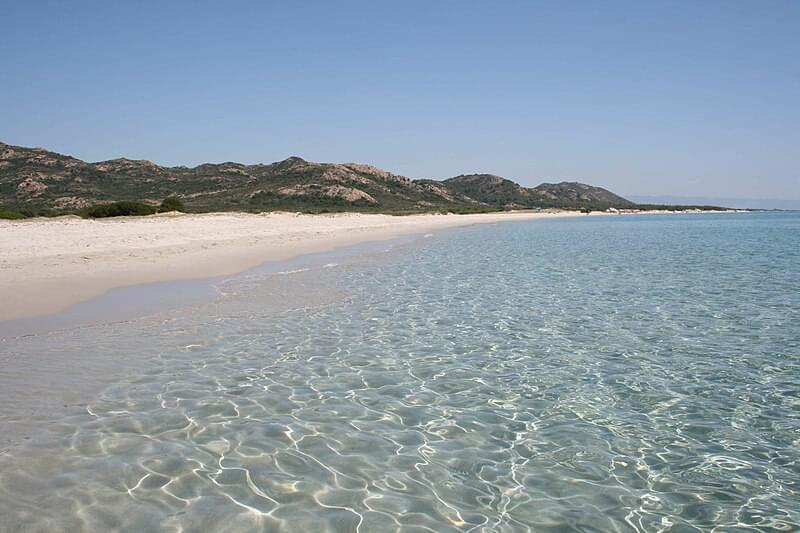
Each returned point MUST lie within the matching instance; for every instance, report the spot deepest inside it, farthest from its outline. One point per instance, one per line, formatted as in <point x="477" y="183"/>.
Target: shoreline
<point x="141" y="300"/>
<point x="49" y="265"/>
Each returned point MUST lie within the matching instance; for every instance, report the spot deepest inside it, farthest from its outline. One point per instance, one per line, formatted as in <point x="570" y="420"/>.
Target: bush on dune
<point x="11" y="215"/>
<point x="172" y="203"/>
<point x="120" y="209"/>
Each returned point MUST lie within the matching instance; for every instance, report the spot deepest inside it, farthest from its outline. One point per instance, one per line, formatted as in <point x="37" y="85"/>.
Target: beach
<point x="506" y="268"/>
<point x="464" y="381"/>
<point x="46" y="265"/>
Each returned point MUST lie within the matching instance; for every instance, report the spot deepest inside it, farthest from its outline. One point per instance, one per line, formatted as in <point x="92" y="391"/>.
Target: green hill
<point x="35" y="180"/>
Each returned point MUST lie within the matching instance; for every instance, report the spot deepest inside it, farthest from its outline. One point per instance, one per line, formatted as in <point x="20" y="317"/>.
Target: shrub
<point x="173" y="203"/>
<point x="120" y="209"/>
<point x="11" y="215"/>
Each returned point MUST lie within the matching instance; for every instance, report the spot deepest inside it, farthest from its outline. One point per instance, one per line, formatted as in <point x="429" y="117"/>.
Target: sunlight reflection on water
<point x="625" y="374"/>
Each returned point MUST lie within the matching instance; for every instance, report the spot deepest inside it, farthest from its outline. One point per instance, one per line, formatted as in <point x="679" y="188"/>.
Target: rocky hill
<point x="36" y="179"/>
<point x="490" y="189"/>
<point x="574" y="194"/>
<point x="495" y="190"/>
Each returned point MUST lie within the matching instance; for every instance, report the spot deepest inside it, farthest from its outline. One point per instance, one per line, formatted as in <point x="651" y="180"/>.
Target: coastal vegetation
<point x="10" y="215"/>
<point x="172" y="203"/>
<point x="121" y="209"/>
<point x="662" y="207"/>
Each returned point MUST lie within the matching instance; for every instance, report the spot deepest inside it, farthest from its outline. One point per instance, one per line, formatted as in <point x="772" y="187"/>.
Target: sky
<point x="679" y="98"/>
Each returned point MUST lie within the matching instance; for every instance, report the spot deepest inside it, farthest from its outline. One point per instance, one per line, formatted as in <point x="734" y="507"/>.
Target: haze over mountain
<point x="34" y="178"/>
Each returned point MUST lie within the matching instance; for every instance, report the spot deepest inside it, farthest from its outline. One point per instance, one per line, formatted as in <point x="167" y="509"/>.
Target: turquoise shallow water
<point x="596" y="374"/>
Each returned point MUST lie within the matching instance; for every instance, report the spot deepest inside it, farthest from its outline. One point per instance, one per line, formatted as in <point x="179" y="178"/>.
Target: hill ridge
<point x="38" y="179"/>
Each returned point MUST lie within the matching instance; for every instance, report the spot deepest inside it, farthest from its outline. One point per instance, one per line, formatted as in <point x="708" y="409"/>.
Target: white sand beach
<point x="46" y="265"/>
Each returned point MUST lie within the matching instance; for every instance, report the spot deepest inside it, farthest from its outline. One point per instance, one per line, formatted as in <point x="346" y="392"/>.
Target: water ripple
<point x="623" y="375"/>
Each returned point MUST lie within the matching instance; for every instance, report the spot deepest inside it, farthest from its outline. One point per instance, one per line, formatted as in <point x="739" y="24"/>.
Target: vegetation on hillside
<point x="36" y="182"/>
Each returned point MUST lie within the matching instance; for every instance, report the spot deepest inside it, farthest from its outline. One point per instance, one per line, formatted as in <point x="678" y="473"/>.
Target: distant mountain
<point x="36" y="179"/>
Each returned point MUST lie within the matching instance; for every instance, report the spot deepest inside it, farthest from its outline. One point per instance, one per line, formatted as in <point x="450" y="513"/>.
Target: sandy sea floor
<point x="611" y="374"/>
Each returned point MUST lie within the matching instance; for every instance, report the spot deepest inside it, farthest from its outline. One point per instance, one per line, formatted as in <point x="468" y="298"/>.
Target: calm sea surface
<point x="635" y="373"/>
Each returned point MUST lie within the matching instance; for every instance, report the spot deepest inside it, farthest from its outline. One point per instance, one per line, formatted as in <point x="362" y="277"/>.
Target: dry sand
<point x="46" y="265"/>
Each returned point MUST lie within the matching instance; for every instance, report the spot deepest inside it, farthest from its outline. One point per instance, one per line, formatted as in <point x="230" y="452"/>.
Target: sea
<point x="617" y="373"/>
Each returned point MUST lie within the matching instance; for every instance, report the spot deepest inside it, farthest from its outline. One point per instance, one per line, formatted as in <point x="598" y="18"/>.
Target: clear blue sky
<point x="695" y="98"/>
